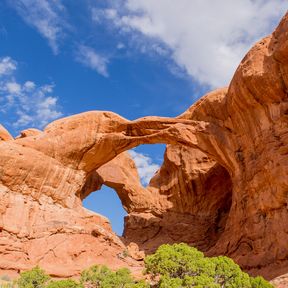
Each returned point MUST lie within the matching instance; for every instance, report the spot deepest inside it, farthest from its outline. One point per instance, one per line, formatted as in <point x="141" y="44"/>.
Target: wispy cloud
<point x="90" y="58"/>
<point x="145" y="166"/>
<point x="46" y="16"/>
<point x="207" y="39"/>
<point x="26" y="104"/>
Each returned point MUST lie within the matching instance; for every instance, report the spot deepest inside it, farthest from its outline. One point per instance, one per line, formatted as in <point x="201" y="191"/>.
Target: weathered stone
<point x="29" y="132"/>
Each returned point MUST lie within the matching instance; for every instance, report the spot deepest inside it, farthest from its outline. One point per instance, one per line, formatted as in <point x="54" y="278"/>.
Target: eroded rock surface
<point x="45" y="175"/>
<point x="223" y="185"/>
<point x="190" y="200"/>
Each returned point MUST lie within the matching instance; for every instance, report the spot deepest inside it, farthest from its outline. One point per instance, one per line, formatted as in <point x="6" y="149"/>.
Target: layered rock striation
<point x="222" y="187"/>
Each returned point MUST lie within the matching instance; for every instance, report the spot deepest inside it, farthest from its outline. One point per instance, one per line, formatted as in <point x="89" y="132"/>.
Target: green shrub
<point x="69" y="283"/>
<point x="140" y="284"/>
<point x="171" y="266"/>
<point x="34" y="278"/>
<point x="95" y="275"/>
<point x="120" y="278"/>
<point x="180" y="265"/>
<point x="259" y="282"/>
<point x="102" y="277"/>
<point x="167" y="282"/>
<point x="175" y="261"/>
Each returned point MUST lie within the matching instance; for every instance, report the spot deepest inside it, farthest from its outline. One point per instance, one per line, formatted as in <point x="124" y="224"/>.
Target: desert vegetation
<point x="171" y="266"/>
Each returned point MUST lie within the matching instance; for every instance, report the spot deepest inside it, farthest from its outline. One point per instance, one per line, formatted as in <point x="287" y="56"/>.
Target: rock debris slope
<point x="222" y="187"/>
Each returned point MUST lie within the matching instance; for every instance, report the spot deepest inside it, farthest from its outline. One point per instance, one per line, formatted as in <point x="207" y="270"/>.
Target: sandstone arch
<point x="43" y="178"/>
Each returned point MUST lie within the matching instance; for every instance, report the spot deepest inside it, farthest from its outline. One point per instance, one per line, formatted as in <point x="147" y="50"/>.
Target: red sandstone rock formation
<point x="43" y="179"/>
<point x="191" y="198"/>
<point x="222" y="187"/>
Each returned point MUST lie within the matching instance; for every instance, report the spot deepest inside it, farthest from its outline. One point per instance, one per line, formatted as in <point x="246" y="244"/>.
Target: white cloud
<point x="99" y="14"/>
<point x="90" y="58"/>
<point x="205" y="38"/>
<point x="145" y="166"/>
<point x="7" y="66"/>
<point x="27" y="104"/>
<point x="13" y="88"/>
<point x="29" y="85"/>
<point x="46" y="16"/>
<point x="120" y="46"/>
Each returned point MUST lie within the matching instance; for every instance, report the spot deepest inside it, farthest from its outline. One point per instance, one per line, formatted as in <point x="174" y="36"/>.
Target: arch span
<point x="92" y="139"/>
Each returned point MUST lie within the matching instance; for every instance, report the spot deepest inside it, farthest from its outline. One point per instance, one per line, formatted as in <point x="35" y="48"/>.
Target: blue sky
<point x="133" y="57"/>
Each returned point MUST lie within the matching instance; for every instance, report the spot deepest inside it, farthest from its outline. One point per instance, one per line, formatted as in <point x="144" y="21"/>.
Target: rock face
<point x="191" y="198"/>
<point x="222" y="187"/>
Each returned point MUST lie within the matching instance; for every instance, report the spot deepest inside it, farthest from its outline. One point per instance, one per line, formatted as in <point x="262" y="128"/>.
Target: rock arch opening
<point x="148" y="159"/>
<point x="187" y="200"/>
<point x="107" y="203"/>
<point x="119" y="186"/>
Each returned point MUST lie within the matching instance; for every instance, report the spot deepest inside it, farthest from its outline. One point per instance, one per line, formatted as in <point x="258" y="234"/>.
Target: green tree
<point x="34" y="278"/>
<point x="175" y="261"/>
<point x="180" y="265"/>
<point x="228" y="274"/>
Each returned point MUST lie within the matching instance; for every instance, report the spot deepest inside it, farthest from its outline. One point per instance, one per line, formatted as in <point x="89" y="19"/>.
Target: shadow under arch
<point x="196" y="198"/>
